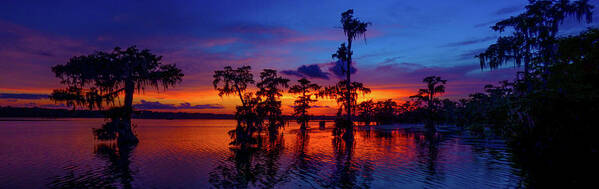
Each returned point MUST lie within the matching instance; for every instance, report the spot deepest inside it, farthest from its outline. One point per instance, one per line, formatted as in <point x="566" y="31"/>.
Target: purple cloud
<point x="469" y="42"/>
<point x="310" y="71"/>
<point x="187" y="105"/>
<point x="338" y="68"/>
<point x="154" y="105"/>
<point x="292" y="73"/>
<point x="147" y="105"/>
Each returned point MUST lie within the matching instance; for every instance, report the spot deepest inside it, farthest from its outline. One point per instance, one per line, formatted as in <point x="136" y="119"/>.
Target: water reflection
<point x="198" y="153"/>
<point x="303" y="166"/>
<point x="399" y="156"/>
<point x="251" y="165"/>
<point x="116" y="172"/>
<point x="428" y="154"/>
<point x="346" y="171"/>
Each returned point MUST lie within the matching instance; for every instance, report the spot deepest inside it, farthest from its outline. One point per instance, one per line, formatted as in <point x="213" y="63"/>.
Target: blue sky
<point x="407" y="40"/>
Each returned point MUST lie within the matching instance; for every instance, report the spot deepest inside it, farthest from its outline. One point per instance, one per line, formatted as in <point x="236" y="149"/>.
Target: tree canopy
<point x="233" y="81"/>
<point x="533" y="39"/>
<point x="305" y="89"/>
<point x="270" y="88"/>
<point x="353" y="28"/>
<point x="97" y="79"/>
<point x="340" y="92"/>
<point x="434" y="86"/>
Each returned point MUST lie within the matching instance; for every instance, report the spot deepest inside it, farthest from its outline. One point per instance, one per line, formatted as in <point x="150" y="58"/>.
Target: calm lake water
<point x="196" y="154"/>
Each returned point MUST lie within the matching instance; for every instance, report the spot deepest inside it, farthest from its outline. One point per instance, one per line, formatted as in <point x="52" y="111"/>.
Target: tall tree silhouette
<point x="435" y="86"/>
<point x="306" y="89"/>
<point x="533" y="40"/>
<point x="99" y="78"/>
<point x="341" y="92"/>
<point x="353" y="28"/>
<point x="231" y="81"/>
<point x="269" y="88"/>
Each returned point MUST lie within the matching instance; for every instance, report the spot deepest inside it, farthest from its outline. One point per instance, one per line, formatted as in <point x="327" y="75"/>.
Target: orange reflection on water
<point x="197" y="154"/>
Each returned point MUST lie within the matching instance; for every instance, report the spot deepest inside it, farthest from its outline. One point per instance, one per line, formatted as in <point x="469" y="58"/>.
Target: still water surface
<point x="196" y="154"/>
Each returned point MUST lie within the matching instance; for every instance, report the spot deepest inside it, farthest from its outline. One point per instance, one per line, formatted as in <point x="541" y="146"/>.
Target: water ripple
<point x="197" y="154"/>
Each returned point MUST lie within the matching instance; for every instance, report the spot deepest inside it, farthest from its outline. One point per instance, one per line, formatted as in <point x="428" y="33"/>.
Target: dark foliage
<point x="306" y="90"/>
<point x="353" y="28"/>
<point x="269" y="92"/>
<point x="98" y="79"/>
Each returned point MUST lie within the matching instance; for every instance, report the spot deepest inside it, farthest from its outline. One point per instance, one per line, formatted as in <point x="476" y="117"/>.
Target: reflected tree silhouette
<point x="273" y="152"/>
<point x="428" y="155"/>
<point x="303" y="165"/>
<point x="117" y="172"/>
<point x="268" y="164"/>
<point x="251" y="166"/>
<point x="237" y="171"/>
<point x="119" y="158"/>
<point x="345" y="173"/>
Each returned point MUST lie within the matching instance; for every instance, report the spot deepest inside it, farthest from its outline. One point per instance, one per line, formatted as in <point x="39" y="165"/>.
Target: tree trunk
<point x="240" y="95"/>
<point x="306" y="105"/>
<point x="430" y="98"/>
<point x="527" y="69"/>
<point x="430" y="124"/>
<point x="526" y="80"/>
<point x="349" y="128"/>
<point x="125" y="132"/>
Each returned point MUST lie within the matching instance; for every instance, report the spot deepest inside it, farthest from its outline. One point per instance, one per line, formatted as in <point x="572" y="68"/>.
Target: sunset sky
<point x="408" y="40"/>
